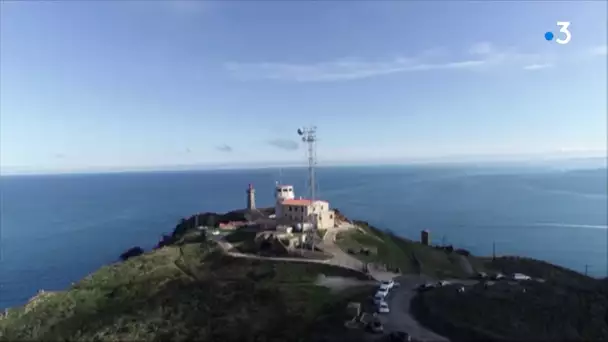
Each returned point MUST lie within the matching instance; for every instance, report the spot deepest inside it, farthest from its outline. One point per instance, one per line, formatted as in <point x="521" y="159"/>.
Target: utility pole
<point x="493" y="250"/>
<point x="586" y="268"/>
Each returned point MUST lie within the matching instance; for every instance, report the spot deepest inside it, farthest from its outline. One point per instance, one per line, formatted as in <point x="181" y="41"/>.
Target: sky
<point x="118" y="85"/>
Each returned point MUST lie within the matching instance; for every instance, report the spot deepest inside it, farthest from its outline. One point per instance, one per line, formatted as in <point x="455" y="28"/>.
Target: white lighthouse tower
<point x="282" y="193"/>
<point x="250" y="197"/>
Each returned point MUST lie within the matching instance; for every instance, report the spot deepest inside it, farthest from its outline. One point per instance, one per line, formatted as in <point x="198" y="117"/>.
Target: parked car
<point x="389" y="284"/>
<point x="383" y="307"/>
<point x="378" y="298"/>
<point x="498" y="276"/>
<point x="482" y="275"/>
<point x="442" y="283"/>
<point x="520" y="276"/>
<point x="382" y="291"/>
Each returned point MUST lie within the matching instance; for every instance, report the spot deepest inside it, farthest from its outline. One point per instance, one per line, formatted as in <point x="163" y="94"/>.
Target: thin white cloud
<point x="538" y="66"/>
<point x="601" y="50"/>
<point x="481" y="56"/>
<point x="338" y="70"/>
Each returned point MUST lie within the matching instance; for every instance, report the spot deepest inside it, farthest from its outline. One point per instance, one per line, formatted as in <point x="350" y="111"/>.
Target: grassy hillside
<point x="188" y="292"/>
<point x="410" y="256"/>
<point x="567" y="306"/>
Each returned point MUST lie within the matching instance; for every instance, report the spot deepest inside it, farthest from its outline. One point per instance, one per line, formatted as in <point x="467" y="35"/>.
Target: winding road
<point x="399" y="318"/>
<point x="339" y="257"/>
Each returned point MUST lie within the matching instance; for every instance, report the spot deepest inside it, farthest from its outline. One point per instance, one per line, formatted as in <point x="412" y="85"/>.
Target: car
<point x="383" y="307"/>
<point x="520" y="276"/>
<point x="388" y="284"/>
<point x="498" y="276"/>
<point x="482" y="275"/>
<point x="378" y="298"/>
<point x="382" y="292"/>
<point x="375" y="326"/>
<point x="383" y="287"/>
<point x="442" y="283"/>
<point x="399" y="336"/>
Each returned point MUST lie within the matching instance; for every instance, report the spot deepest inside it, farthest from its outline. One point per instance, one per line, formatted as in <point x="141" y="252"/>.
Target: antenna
<point x="309" y="137"/>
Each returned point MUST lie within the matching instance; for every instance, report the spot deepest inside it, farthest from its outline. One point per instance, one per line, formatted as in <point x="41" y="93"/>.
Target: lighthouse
<point x="250" y="197"/>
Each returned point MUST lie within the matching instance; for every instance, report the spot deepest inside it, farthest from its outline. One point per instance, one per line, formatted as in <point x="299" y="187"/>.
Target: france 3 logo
<point x="565" y="34"/>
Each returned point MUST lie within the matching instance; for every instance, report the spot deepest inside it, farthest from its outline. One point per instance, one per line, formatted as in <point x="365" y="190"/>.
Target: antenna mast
<point x="309" y="137"/>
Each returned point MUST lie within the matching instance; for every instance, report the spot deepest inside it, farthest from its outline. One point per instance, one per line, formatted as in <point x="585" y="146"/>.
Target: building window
<point x="331" y="216"/>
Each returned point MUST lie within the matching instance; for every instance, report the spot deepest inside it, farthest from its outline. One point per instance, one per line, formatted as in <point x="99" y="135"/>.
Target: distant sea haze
<point x="57" y="229"/>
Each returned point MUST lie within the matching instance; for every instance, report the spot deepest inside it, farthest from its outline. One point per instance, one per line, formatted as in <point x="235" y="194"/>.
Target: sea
<point x="56" y="229"/>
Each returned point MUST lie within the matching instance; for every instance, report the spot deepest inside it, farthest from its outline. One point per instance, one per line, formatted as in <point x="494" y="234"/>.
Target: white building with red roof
<point x="301" y="210"/>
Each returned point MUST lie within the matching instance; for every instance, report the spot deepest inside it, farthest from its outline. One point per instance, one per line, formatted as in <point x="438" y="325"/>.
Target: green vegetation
<point x="190" y="291"/>
<point x="409" y="256"/>
<point x="528" y="310"/>
<point x="213" y="220"/>
<point x="383" y="250"/>
<point x="240" y="236"/>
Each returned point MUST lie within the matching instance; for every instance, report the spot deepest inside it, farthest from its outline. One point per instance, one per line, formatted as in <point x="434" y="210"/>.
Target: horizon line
<point x="439" y="161"/>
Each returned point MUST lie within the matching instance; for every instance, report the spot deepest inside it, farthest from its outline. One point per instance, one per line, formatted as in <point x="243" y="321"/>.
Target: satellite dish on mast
<point x="300" y="131"/>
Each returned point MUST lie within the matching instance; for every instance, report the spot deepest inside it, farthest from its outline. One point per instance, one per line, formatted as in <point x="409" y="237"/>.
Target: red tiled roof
<point x="299" y="201"/>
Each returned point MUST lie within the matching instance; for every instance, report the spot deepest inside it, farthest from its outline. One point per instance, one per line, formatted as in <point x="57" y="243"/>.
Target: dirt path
<point x="399" y="319"/>
<point x="340" y="258"/>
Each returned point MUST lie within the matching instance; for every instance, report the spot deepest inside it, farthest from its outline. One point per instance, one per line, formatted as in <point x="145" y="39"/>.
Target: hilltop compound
<point x="290" y="210"/>
<point x="299" y="212"/>
<point x="315" y="213"/>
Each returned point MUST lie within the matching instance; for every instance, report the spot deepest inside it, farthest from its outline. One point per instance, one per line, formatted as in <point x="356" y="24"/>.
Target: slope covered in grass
<point x="188" y="292"/>
<point x="410" y="256"/>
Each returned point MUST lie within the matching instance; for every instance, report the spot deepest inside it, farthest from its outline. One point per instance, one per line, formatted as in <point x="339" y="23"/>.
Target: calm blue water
<point x="57" y="229"/>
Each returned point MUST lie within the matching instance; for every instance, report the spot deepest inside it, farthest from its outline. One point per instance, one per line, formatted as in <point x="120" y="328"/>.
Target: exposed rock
<point x="340" y="216"/>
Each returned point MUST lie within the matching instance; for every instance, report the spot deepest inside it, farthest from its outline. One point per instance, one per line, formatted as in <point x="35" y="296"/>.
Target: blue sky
<point x="95" y="85"/>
